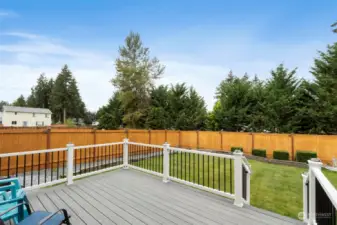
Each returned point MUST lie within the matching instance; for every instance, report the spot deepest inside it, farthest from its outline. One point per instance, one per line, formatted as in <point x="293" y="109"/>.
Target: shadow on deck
<point x="133" y="197"/>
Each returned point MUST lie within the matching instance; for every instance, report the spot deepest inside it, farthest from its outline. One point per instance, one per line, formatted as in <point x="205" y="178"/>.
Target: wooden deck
<point x="133" y="197"/>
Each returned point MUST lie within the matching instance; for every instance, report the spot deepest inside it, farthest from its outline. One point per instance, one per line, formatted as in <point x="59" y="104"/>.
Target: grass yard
<point x="276" y="188"/>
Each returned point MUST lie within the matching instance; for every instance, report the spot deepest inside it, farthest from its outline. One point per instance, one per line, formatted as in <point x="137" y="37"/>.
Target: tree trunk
<point x="64" y="115"/>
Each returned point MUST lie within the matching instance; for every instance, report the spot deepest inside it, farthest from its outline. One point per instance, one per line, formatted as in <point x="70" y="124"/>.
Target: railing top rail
<point x="32" y="152"/>
<point x="202" y="152"/>
<point x="97" y="145"/>
<point x="246" y="165"/>
<point x="326" y="185"/>
<point x="146" y="145"/>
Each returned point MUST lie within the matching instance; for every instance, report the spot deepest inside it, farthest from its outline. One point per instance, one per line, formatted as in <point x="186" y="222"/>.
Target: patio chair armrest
<point x="10" y="187"/>
<point x="14" y="180"/>
<point x="12" y="200"/>
<point x="65" y="213"/>
<point x="14" y="207"/>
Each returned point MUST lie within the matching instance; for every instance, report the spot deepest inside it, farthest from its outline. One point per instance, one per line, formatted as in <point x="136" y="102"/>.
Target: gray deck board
<point x="133" y="197"/>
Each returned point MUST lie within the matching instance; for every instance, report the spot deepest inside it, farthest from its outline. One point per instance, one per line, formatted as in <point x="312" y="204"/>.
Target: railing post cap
<point x="305" y="174"/>
<point x="125" y="139"/>
<point x="70" y="144"/>
<point x="166" y="144"/>
<point x="315" y="162"/>
<point x="238" y="153"/>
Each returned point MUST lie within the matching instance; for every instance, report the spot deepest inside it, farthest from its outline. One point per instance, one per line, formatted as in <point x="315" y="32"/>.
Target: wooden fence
<point x="18" y="140"/>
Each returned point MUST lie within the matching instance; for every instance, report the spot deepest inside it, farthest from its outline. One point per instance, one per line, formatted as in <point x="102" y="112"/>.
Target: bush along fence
<point x="20" y="140"/>
<point x="223" y="174"/>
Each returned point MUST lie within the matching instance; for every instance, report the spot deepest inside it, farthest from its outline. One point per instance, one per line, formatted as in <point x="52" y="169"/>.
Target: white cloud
<point x="7" y="13"/>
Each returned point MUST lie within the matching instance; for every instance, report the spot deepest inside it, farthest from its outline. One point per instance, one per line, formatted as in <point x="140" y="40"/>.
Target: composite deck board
<point x="133" y="197"/>
<point x="233" y="213"/>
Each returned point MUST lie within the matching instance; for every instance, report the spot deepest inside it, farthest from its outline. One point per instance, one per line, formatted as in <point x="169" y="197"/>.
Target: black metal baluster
<point x="110" y="155"/>
<point x="24" y="171"/>
<point x="31" y="170"/>
<point x="58" y="165"/>
<point x="198" y="169"/>
<point x="231" y="177"/>
<point x="17" y="166"/>
<point x="8" y="166"/>
<point x="64" y="159"/>
<point x="189" y="166"/>
<point x="219" y="173"/>
<point x="38" y="171"/>
<point x="213" y="172"/>
<point x="85" y="160"/>
<point x="51" y="167"/>
<point x="80" y="161"/>
<point x="203" y="171"/>
<point x="177" y="164"/>
<point x="181" y="165"/>
<point x="209" y="164"/>
<point x="45" y="167"/>
<point x="105" y="156"/>
<point x="185" y="165"/>
<point x="224" y="172"/>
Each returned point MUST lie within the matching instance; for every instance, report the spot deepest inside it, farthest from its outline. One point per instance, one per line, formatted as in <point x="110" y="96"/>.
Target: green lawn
<point x="276" y="188"/>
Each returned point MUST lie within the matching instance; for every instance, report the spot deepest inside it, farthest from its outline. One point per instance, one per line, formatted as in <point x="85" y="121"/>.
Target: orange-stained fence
<point x="18" y="140"/>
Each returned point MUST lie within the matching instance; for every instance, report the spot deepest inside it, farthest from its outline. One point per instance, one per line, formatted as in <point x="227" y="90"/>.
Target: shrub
<point x="236" y="148"/>
<point x="304" y="156"/>
<point x="260" y="152"/>
<point x="281" y="155"/>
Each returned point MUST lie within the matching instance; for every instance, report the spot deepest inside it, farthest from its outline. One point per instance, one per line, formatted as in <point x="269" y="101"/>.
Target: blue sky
<point x="198" y="41"/>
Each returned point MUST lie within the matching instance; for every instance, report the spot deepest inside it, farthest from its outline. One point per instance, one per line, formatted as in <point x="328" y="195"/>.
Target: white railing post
<point x="313" y="164"/>
<point x="125" y="153"/>
<point x="70" y="163"/>
<point x="305" y="197"/>
<point x="238" y="201"/>
<point x="166" y="163"/>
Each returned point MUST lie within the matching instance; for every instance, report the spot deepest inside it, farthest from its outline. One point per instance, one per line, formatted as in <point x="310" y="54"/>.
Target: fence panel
<point x="60" y="138"/>
<point x="173" y="137"/>
<point x="140" y="136"/>
<point x="188" y="139"/>
<point x="108" y="136"/>
<point x="158" y="137"/>
<point x="232" y="139"/>
<point x="210" y="140"/>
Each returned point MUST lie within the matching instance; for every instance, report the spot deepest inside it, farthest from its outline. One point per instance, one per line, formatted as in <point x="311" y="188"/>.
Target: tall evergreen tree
<point x="2" y="104"/>
<point x="280" y="107"/>
<point x="110" y="116"/>
<point x="325" y="73"/>
<point x="65" y="98"/>
<point x="41" y="93"/>
<point x="21" y="101"/>
<point x="234" y="102"/>
<point x="135" y="74"/>
<point x="159" y="116"/>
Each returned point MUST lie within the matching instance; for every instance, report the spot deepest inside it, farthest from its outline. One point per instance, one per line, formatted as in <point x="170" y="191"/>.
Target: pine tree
<point x="21" y="101"/>
<point x="280" y="100"/>
<point x="134" y="80"/>
<point x="2" y="104"/>
<point x="110" y="116"/>
<point x="325" y="73"/>
<point x="41" y="93"/>
<point x="158" y="116"/>
<point x="65" y="99"/>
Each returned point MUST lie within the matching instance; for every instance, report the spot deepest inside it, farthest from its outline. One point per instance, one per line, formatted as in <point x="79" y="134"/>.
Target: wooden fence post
<point x="48" y="131"/>
<point x="95" y="141"/>
<point x="198" y="139"/>
<point x="165" y="135"/>
<point x="252" y="141"/>
<point x="221" y="140"/>
<point x="179" y="141"/>
<point x="149" y="136"/>
<point x="292" y="147"/>
<point x="126" y="132"/>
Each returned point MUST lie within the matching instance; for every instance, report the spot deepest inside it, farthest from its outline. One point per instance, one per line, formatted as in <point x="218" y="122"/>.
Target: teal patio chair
<point x="12" y="194"/>
<point x="39" y="217"/>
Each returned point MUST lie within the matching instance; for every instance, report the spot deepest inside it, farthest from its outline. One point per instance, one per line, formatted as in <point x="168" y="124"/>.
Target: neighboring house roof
<point x="25" y="109"/>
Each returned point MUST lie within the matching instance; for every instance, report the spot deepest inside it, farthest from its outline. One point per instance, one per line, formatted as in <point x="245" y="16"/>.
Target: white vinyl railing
<point x="224" y="174"/>
<point x="319" y="196"/>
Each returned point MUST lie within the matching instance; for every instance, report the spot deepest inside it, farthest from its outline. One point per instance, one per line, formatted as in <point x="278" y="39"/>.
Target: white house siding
<point x="22" y="117"/>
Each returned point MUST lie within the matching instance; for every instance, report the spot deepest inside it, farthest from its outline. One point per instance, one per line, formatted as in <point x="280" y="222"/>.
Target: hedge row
<point x="301" y="156"/>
